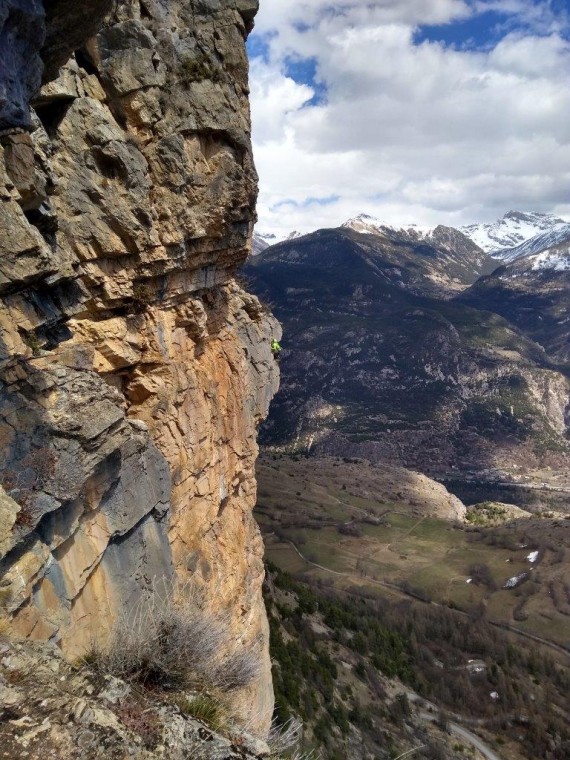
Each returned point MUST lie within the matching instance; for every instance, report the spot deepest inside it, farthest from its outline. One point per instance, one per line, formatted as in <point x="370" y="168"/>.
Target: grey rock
<point x="22" y="33"/>
<point x="115" y="690"/>
<point x="123" y="229"/>
<point x="68" y="26"/>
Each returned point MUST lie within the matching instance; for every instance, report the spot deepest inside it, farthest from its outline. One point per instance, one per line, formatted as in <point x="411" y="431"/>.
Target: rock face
<point x="134" y="370"/>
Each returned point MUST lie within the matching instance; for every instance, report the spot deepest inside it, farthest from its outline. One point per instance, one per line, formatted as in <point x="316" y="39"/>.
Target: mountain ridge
<point x="532" y="291"/>
<point x="511" y="230"/>
<point x="544" y="241"/>
<point x="385" y="359"/>
<point x="431" y="263"/>
<point x="515" y="234"/>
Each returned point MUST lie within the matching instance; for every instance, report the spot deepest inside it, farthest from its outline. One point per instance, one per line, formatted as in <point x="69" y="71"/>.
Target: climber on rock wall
<point x="275" y="349"/>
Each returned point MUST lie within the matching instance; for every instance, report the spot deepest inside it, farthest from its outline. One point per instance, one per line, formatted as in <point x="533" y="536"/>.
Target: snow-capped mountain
<point x="555" y="258"/>
<point x="459" y="249"/>
<point x="515" y="228"/>
<point x="531" y="292"/>
<point x="516" y="234"/>
<point x="560" y="233"/>
<point x="370" y="225"/>
<point x="262" y="240"/>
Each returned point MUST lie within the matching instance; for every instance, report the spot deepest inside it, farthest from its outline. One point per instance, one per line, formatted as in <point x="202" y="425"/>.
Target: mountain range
<point x="513" y="235"/>
<point x="261" y="241"/>
<point x="517" y="233"/>
<point x="414" y="346"/>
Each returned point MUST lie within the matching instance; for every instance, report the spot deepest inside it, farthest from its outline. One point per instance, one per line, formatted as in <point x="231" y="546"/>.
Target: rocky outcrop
<point x="134" y="369"/>
<point x="50" y="709"/>
<point x="423" y="496"/>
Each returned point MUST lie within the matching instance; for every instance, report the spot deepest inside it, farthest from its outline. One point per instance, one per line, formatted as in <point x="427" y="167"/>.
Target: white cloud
<point x="275" y="97"/>
<point x="408" y="132"/>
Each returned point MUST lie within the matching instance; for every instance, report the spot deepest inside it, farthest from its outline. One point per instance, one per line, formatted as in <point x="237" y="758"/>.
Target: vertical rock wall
<point x="134" y="370"/>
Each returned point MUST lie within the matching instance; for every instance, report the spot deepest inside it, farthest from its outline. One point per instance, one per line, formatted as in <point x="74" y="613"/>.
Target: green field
<point x="393" y="544"/>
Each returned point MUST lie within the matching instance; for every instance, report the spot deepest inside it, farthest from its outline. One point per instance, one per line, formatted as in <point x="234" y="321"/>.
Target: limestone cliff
<point x="134" y="369"/>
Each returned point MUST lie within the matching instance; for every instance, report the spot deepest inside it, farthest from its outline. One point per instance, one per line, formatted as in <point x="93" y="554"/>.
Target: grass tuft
<point x="203" y="707"/>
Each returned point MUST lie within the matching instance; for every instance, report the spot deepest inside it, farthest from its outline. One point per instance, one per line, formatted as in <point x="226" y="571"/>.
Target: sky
<point x="425" y="111"/>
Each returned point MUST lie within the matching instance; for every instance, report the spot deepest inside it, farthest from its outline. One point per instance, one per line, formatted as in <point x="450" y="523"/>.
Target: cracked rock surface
<point x="134" y="369"/>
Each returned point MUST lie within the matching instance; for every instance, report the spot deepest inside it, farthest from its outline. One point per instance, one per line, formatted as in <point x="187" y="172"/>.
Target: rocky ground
<point x="50" y="708"/>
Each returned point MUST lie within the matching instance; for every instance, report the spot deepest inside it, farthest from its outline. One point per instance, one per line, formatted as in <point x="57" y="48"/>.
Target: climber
<point x="275" y="349"/>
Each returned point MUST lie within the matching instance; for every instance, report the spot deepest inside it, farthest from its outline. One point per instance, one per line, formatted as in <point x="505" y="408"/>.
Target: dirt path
<point x="314" y="564"/>
<point x="472" y="738"/>
<point x="407" y="533"/>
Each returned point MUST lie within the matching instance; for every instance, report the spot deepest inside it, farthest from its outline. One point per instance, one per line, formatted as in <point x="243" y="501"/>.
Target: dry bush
<point x="285" y="738"/>
<point x="238" y="670"/>
<point x="175" y="645"/>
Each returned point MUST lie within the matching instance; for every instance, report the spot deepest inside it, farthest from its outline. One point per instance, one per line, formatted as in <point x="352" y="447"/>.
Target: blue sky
<point x="487" y="26"/>
<point x="411" y="110"/>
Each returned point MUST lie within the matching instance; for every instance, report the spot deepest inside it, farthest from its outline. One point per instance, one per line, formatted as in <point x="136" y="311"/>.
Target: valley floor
<point x="364" y="531"/>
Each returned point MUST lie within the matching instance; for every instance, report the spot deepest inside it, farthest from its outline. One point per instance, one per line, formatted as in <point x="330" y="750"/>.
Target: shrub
<point x="237" y="671"/>
<point x="349" y="529"/>
<point x="32" y="341"/>
<point x="142" y="295"/>
<point x="174" y="645"/>
<point x="481" y="575"/>
<point x="197" y="69"/>
<point x="286" y="737"/>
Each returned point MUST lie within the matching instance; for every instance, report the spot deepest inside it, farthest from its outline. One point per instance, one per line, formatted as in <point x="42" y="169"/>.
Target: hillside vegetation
<point x="355" y="666"/>
<point x="381" y="362"/>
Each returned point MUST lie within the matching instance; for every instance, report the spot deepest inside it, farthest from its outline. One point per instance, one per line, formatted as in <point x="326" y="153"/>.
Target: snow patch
<point x="556" y="236"/>
<point x="549" y="259"/>
<point x="516" y="580"/>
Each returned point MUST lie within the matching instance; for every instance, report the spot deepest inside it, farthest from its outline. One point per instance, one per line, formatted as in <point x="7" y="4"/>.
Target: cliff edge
<point x="134" y="370"/>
